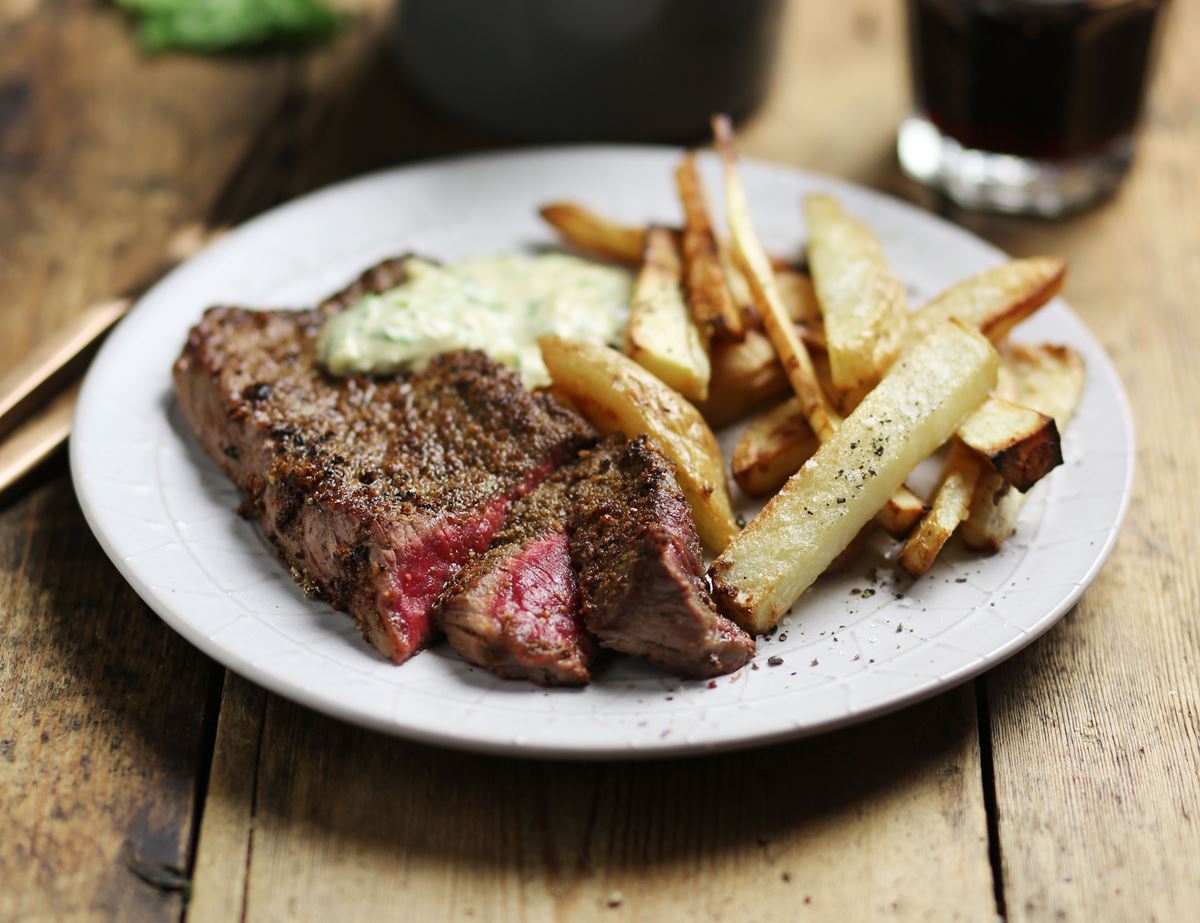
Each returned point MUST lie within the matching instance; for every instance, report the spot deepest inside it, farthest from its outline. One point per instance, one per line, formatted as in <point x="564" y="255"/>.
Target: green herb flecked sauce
<point x="497" y="304"/>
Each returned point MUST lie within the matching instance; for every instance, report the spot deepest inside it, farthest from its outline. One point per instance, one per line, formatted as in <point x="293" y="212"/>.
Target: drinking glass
<point x="1026" y="106"/>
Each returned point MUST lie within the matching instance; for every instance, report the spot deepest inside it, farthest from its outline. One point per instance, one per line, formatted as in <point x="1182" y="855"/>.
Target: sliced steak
<point x="640" y="568"/>
<point x="374" y="491"/>
<point x="515" y="609"/>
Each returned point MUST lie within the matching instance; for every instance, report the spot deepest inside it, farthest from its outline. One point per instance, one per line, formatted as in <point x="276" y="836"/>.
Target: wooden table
<point x="141" y="781"/>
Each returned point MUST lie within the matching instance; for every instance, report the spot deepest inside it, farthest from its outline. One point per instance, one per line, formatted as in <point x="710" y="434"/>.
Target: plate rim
<point x="283" y="686"/>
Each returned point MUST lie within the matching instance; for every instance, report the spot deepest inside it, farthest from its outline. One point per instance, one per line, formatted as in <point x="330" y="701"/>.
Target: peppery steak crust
<point x="373" y="490"/>
<point x="515" y="609"/>
<point x="640" y="567"/>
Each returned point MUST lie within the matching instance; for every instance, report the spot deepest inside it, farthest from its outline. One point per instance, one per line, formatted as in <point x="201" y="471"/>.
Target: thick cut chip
<point x="617" y="394"/>
<point x="996" y="300"/>
<point x="916" y="408"/>
<point x="903" y="510"/>
<point x="661" y="335"/>
<point x="778" y="325"/>
<point x="591" y="233"/>
<point x="950" y="506"/>
<point x="746" y="376"/>
<point x="707" y="290"/>
<point x="861" y="301"/>
<point x="1022" y="444"/>
<point x="772" y="448"/>
<point x="1050" y="379"/>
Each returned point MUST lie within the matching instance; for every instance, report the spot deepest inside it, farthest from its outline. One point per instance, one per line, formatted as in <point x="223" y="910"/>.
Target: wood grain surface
<point x="140" y="781"/>
<point x="104" y="712"/>
<point x="339" y="823"/>
<point x="1096" y="731"/>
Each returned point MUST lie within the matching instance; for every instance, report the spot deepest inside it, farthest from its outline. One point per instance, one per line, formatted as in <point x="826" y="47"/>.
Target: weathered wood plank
<point x="219" y="877"/>
<point x="346" y="112"/>
<point x="101" y="717"/>
<point x="103" y="709"/>
<point x="348" y="824"/>
<point x="103" y="154"/>
<point x="1097" y="727"/>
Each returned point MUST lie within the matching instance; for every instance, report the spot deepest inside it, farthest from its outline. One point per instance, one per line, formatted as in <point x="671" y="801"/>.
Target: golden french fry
<point x="995" y="506"/>
<point x="917" y="407"/>
<point x="617" y="394"/>
<point x="746" y="376"/>
<point x="592" y="233"/>
<point x="707" y="290"/>
<point x="1022" y="444"/>
<point x="950" y="506"/>
<point x="903" y="510"/>
<point x="848" y="555"/>
<point x="861" y="301"/>
<point x="587" y="231"/>
<point x="799" y="298"/>
<point x="994" y="301"/>
<point x="797" y="364"/>
<point x="1050" y="379"/>
<point x="739" y="288"/>
<point x="795" y="290"/>
<point x="661" y="335"/>
<point x="772" y="448"/>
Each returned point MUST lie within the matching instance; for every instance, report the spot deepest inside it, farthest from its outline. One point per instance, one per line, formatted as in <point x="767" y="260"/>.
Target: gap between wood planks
<point x="212" y="714"/>
<point x="941" y="205"/>
<point x="987" y="776"/>
<point x="243" y="906"/>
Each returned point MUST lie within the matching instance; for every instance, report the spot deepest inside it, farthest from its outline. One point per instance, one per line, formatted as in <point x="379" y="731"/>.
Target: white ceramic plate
<point x="165" y="514"/>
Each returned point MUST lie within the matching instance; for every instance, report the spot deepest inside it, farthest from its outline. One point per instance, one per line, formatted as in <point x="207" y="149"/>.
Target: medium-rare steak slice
<point x="640" y="567"/>
<point x="515" y="609"/>
<point x="373" y="490"/>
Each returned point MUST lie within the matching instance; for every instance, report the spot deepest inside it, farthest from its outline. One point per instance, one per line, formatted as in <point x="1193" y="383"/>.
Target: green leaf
<point x="224" y="25"/>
